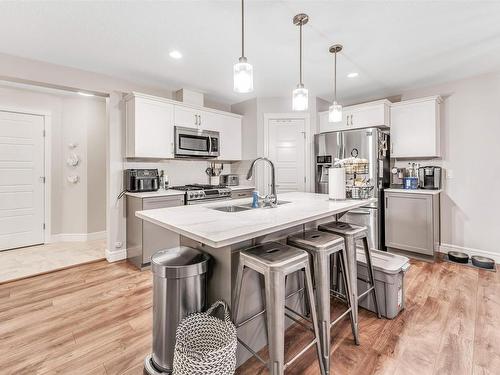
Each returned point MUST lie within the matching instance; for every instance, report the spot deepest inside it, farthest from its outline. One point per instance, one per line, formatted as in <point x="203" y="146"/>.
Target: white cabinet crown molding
<point x="177" y="103"/>
<point x="437" y="98"/>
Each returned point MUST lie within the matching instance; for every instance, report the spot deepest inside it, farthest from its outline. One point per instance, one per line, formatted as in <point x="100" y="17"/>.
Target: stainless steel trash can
<point x="179" y="289"/>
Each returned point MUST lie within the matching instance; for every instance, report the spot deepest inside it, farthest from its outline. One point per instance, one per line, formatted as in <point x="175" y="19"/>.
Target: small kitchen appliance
<point x="429" y="178"/>
<point x="229" y="179"/>
<point x="139" y="180"/>
<point x="191" y="142"/>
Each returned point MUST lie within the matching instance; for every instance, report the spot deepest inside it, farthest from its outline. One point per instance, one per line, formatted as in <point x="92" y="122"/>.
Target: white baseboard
<point x="115" y="256"/>
<point x="444" y="248"/>
<point x="96" y="236"/>
<point x="78" y="237"/>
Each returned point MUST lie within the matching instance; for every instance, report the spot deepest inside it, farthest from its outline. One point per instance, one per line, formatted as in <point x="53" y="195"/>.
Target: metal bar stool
<point x="275" y="262"/>
<point x="351" y="234"/>
<point x="321" y="246"/>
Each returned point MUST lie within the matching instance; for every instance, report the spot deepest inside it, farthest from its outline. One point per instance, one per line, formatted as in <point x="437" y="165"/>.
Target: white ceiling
<point x="393" y="45"/>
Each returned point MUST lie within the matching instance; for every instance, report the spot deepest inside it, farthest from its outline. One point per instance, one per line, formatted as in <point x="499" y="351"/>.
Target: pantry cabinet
<point x="415" y="128"/>
<point x="151" y="121"/>
<point x="412" y="221"/>
<point x="366" y="115"/>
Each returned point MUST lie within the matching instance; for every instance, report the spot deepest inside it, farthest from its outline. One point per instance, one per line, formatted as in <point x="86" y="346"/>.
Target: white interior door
<point x="21" y="183"/>
<point x="286" y="149"/>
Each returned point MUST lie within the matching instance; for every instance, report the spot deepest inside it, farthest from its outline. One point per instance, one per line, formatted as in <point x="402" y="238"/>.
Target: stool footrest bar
<point x="341" y="317"/>
<point x="294" y="293"/>
<point x="298" y="314"/>
<point x="250" y="319"/>
<point x="305" y="349"/>
<point x="254" y="353"/>
<point x="362" y="295"/>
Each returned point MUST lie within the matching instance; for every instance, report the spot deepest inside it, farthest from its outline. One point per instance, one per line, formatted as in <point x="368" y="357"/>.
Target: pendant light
<point x="243" y="71"/>
<point x="335" y="111"/>
<point x="300" y="96"/>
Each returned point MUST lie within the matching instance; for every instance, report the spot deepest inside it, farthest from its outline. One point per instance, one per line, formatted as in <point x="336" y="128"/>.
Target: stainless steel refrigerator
<point x="371" y="144"/>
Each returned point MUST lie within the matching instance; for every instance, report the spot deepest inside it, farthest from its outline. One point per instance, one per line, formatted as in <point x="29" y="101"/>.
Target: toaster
<point x="229" y="179"/>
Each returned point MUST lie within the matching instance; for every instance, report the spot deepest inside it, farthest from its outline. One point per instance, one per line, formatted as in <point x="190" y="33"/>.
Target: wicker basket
<point x="206" y="345"/>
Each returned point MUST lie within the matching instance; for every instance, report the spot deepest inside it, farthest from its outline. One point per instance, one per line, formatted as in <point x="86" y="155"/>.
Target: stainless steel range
<point x="198" y="193"/>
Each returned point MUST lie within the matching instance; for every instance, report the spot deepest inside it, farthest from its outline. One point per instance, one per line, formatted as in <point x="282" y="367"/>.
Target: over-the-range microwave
<point x="191" y="142"/>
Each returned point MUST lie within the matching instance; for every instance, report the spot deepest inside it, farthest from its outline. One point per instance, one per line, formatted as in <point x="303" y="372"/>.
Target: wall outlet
<point x="449" y="174"/>
<point x="118" y="244"/>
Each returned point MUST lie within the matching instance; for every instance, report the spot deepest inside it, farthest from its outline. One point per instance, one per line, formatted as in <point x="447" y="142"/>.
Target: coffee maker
<point x="429" y="178"/>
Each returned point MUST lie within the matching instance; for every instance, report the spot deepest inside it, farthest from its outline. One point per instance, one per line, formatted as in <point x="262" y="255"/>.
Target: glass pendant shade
<point x="300" y="99"/>
<point x="335" y="112"/>
<point x="243" y="77"/>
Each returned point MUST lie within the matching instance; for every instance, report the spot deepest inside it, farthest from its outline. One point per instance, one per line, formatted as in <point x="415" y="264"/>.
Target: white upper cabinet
<point x="229" y="128"/>
<point x="187" y="117"/>
<point x="151" y="121"/>
<point x="415" y="128"/>
<point x="149" y="131"/>
<point x="366" y="115"/>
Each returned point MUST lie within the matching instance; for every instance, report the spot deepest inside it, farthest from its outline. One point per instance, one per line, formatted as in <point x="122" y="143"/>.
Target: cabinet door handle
<point x="196" y="119"/>
<point x="199" y="117"/>
<point x="386" y="202"/>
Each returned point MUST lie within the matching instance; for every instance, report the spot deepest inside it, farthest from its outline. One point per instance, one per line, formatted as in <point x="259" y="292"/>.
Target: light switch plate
<point x="449" y="174"/>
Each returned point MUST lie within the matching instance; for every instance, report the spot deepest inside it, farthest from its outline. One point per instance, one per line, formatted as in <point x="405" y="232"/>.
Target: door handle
<point x="199" y="118"/>
<point x="358" y="212"/>
<point x="209" y="145"/>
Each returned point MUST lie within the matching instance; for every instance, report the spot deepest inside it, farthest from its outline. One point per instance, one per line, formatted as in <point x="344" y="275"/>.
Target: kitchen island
<point x="224" y="228"/>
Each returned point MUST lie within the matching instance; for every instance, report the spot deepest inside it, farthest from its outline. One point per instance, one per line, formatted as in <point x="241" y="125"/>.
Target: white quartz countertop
<point x="155" y="194"/>
<point x="171" y="192"/>
<point x="414" y="191"/>
<point x="217" y="229"/>
<point x="241" y="187"/>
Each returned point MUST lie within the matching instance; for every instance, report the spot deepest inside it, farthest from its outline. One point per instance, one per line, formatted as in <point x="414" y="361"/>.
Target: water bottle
<point x="255" y="201"/>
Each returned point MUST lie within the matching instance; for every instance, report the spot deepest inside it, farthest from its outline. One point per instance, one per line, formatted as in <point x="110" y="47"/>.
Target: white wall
<point x="253" y="111"/>
<point x="470" y="134"/>
<point x="71" y="118"/>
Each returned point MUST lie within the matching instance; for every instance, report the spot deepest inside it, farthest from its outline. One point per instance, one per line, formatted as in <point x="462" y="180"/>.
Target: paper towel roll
<point x="336" y="183"/>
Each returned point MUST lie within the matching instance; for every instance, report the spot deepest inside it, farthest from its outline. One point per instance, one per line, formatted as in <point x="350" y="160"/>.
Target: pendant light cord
<point x="335" y="77"/>
<point x="242" y="28"/>
<point x="300" y="55"/>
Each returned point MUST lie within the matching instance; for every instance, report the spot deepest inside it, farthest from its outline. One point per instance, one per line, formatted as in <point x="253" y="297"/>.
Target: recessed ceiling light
<point x="175" y="54"/>
<point x="352" y="75"/>
<point x="85" y="93"/>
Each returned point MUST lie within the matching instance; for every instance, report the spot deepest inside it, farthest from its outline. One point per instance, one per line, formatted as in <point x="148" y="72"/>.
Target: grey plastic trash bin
<point x="179" y="289"/>
<point x="389" y="271"/>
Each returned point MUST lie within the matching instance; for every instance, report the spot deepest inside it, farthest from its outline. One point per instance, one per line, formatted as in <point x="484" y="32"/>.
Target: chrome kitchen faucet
<point x="270" y="200"/>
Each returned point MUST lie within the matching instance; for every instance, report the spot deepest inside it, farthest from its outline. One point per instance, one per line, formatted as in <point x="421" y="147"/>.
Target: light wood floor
<point x="96" y="319"/>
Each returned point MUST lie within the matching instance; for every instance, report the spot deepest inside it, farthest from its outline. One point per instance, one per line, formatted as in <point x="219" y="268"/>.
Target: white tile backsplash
<point x="181" y="172"/>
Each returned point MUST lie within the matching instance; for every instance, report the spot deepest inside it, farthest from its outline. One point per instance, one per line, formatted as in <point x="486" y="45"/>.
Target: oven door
<point x="198" y="143"/>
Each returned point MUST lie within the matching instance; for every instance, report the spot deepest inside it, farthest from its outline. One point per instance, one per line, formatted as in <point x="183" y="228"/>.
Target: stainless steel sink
<point x="249" y="205"/>
<point x="231" y="208"/>
<point x="241" y="207"/>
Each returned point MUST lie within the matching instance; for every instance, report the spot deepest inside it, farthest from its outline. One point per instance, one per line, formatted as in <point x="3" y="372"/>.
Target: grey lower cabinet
<point x="242" y="193"/>
<point x="143" y="238"/>
<point x="412" y="222"/>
